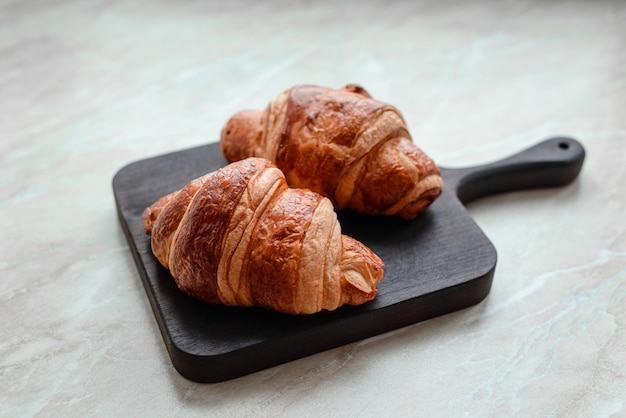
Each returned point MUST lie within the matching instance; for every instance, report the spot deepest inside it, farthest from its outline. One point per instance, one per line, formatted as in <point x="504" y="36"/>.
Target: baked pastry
<point x="343" y="144"/>
<point x="240" y="236"/>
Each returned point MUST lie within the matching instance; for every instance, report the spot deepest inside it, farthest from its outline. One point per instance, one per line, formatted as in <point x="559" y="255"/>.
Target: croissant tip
<point x="239" y="135"/>
<point x="148" y="217"/>
<point x="362" y="270"/>
<point x="358" y="89"/>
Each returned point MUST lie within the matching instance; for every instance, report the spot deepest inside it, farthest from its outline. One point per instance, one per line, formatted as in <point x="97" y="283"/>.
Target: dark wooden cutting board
<point x="438" y="263"/>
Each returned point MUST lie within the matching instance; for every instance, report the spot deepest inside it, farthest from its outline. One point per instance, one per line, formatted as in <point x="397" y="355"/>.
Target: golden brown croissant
<point x="342" y="144"/>
<point x="240" y="236"/>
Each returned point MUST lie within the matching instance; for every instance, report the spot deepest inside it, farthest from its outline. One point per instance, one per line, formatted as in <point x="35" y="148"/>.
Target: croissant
<point x="343" y="144"/>
<point x="240" y="236"/>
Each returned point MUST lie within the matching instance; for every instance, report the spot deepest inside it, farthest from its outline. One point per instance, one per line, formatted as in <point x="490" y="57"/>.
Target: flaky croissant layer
<point x="240" y="236"/>
<point x="343" y="144"/>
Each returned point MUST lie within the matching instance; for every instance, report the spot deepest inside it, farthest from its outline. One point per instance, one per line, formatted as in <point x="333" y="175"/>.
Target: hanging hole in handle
<point x="563" y="145"/>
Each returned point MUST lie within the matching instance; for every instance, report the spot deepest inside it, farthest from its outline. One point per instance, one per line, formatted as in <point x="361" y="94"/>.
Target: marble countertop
<point x="88" y="87"/>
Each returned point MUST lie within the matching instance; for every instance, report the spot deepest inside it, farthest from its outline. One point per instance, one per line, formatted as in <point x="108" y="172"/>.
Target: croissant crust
<point x="240" y="236"/>
<point x="343" y="144"/>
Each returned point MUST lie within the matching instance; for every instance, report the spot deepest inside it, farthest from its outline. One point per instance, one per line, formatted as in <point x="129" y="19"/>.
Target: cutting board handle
<point x="553" y="162"/>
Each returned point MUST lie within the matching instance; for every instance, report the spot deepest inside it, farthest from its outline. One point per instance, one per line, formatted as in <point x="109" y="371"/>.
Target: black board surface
<point x="438" y="263"/>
